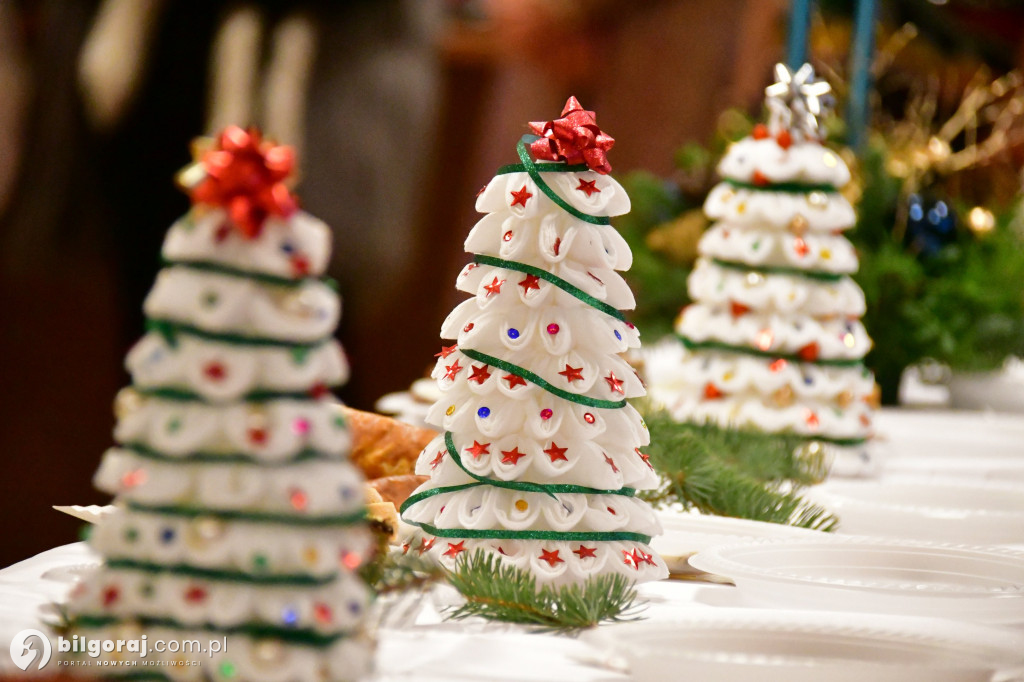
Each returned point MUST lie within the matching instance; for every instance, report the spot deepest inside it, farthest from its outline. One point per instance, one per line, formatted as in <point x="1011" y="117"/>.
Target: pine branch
<point x="393" y="571"/>
<point x="498" y="591"/>
<point x="741" y="474"/>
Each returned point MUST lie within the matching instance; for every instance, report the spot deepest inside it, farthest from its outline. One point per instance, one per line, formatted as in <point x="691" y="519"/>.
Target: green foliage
<point x="496" y="590"/>
<point x="742" y="474"/>
<point x="392" y="571"/>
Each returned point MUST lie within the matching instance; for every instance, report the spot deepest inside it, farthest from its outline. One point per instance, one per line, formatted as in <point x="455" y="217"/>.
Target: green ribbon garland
<point x="186" y="511"/>
<point x="170" y="330"/>
<point x="746" y="350"/>
<point x="523" y="486"/>
<point x="527" y="374"/>
<point x="241" y="273"/>
<point x="223" y="575"/>
<point x="780" y="270"/>
<point x="556" y="535"/>
<point x="568" y="288"/>
<point x="787" y="187"/>
<point x="529" y="166"/>
<point x="297" y="636"/>
<point x="549" y="489"/>
<point x="147" y="452"/>
<point x="183" y="396"/>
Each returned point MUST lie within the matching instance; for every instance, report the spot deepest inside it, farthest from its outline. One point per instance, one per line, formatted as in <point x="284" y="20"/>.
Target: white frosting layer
<point x="566" y="563"/>
<point x="147" y="595"/>
<point x="242" y="546"/>
<point x="305" y="489"/>
<point x="229" y="304"/>
<point x="273" y="431"/>
<point x="835" y="339"/>
<point x="803" y="162"/>
<point x="347" y="660"/>
<point x="783" y="293"/>
<point x="275" y="252"/>
<point x="240" y="370"/>
<point x="822" y="211"/>
<point x="762" y="247"/>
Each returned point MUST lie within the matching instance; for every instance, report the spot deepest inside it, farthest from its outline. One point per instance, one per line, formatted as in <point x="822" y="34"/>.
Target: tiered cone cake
<point x="540" y="456"/>
<point x="239" y="518"/>
<point x="774" y="340"/>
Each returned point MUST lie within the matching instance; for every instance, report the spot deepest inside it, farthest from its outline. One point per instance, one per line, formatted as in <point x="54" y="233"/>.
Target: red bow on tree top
<point x="574" y="138"/>
<point x="246" y="176"/>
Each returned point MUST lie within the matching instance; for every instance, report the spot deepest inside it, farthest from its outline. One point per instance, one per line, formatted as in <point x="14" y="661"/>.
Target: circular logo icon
<point x="29" y="645"/>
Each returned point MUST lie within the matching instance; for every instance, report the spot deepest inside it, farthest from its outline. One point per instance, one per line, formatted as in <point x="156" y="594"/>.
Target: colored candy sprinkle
<point x="553" y="328"/>
<point x="228" y="669"/>
<point x="546" y="413"/>
<point x="298" y="499"/>
<point x="259" y="562"/>
<point x="322" y="613"/>
<point x="507" y="236"/>
<point x="167" y="535"/>
<point x="618" y="335"/>
<point x="354" y="607"/>
<point x="131" y="534"/>
<point x="132" y="478"/>
<point x="522" y="505"/>
<point x="450" y="410"/>
<point x="300" y="426"/>
<point x="484" y="412"/>
<point x="513" y="333"/>
<point x="467" y="327"/>
<point x="290" y="616"/>
<point x="589" y="418"/>
<point x="351" y="560"/>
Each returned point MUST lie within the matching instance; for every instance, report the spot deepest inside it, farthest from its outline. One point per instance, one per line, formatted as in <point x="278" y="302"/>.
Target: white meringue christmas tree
<point x="774" y="340"/>
<point x="540" y="457"/>
<point x="239" y="518"/>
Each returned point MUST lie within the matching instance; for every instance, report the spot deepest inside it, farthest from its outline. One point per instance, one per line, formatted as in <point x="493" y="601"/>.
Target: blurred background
<point x="401" y="110"/>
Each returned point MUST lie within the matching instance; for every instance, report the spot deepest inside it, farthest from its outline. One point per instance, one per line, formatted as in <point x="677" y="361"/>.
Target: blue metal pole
<point x="799" y="26"/>
<point x="860" y="72"/>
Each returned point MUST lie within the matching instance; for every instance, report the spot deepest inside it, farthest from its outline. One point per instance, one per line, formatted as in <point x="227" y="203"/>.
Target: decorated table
<point x="716" y="624"/>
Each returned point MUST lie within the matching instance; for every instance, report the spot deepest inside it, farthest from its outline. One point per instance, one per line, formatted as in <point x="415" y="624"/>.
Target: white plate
<point x="686" y="533"/>
<point x="958" y="512"/>
<point x="749" y="645"/>
<point x="876" y="575"/>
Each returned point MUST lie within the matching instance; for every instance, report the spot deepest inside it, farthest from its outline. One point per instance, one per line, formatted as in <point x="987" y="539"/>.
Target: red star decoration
<point x="711" y="392"/>
<point x="514" y="380"/>
<point x="809" y="353"/>
<point x="452" y="370"/>
<point x="446" y="351"/>
<point x="531" y="282"/>
<point x="589" y="187"/>
<point x="551" y="557"/>
<point x="300" y="265"/>
<point x="738" y="309"/>
<point x="778" y="365"/>
<point x="195" y="595"/>
<point x="644" y="456"/>
<point x="405" y="548"/>
<point x="784" y="139"/>
<point x="520" y="197"/>
<point x="437" y="460"/>
<point x="645" y="557"/>
<point x="760" y="179"/>
<point x="215" y="371"/>
<point x="611" y="462"/>
<point x="480" y="374"/>
<point x="479" y="449"/>
<point x="630" y="559"/>
<point x="573" y="138"/>
<point x="494" y="287"/>
<point x="584" y="552"/>
<point x="811" y="419"/>
<point x="800" y="246"/>
<point x="512" y="456"/>
<point x="556" y="453"/>
<point x="245" y="176"/>
<point x="425" y="545"/>
<point x="111" y="595"/>
<point x="455" y="549"/>
<point x="614" y="384"/>
<point x="572" y="373"/>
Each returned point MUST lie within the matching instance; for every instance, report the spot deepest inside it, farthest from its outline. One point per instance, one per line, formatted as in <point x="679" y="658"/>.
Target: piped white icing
<point x="803" y="162"/>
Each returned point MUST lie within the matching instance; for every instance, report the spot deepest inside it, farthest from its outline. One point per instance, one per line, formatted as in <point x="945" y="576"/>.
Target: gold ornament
<point x="128" y="401"/>
<point x="981" y="221"/>
<point x="522" y="505"/>
<point x="844" y="399"/>
<point x="798" y="225"/>
<point x="816" y="457"/>
<point x="784" y="397"/>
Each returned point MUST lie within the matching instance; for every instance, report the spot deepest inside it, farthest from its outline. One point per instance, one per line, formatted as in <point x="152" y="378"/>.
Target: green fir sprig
<point x="741" y="474"/>
<point x="496" y="590"/>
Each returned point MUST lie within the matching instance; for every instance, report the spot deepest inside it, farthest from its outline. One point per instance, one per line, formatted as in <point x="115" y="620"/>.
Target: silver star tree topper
<point x="797" y="102"/>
